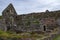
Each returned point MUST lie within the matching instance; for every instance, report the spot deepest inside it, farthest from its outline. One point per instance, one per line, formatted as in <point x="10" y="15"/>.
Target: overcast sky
<point x="28" y="6"/>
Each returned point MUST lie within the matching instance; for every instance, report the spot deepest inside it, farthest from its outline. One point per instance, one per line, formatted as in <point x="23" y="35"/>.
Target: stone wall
<point x="27" y="22"/>
<point x="52" y="36"/>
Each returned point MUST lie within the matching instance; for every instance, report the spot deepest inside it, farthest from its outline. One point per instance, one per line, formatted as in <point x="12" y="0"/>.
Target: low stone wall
<point x="51" y="37"/>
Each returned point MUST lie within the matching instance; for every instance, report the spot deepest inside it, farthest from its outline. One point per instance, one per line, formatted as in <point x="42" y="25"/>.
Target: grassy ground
<point x="10" y="34"/>
<point x="57" y="37"/>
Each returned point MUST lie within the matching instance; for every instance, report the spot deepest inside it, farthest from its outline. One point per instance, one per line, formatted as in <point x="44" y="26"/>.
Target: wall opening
<point x="44" y="28"/>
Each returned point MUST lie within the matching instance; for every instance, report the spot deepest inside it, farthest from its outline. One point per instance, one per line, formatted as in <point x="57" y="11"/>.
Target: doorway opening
<point x="44" y="28"/>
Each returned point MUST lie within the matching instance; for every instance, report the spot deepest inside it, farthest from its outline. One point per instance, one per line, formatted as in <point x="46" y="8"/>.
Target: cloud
<point x="28" y="6"/>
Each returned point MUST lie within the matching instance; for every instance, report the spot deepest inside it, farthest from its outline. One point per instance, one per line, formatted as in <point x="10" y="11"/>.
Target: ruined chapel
<point x="41" y="21"/>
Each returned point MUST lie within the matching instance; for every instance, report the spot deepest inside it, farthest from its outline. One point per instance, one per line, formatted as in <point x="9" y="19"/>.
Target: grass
<point x="0" y="17"/>
<point x="57" y="37"/>
<point x="9" y="35"/>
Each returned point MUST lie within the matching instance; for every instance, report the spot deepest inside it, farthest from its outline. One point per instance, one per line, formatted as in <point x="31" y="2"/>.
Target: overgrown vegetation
<point x="0" y="17"/>
<point x="9" y="35"/>
<point x="57" y="37"/>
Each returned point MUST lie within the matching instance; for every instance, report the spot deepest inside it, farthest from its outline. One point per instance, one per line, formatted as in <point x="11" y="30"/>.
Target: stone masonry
<point x="43" y="21"/>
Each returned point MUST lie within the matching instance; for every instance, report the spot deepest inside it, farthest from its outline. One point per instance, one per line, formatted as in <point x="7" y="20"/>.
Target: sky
<point x="29" y="6"/>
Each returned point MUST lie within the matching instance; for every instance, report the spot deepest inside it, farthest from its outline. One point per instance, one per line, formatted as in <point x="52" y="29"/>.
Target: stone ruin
<point x="32" y="22"/>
